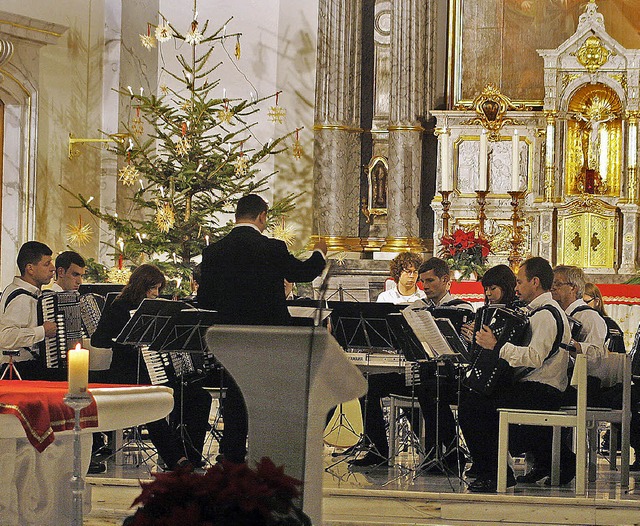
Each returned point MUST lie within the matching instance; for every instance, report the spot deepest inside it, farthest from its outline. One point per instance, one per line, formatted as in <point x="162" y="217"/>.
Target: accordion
<point x="173" y="367"/>
<point x="75" y="316"/>
<point x="487" y="369"/>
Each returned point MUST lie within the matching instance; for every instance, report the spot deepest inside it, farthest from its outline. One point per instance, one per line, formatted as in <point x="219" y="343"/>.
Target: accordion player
<point x="76" y="316"/>
<point x="487" y="369"/>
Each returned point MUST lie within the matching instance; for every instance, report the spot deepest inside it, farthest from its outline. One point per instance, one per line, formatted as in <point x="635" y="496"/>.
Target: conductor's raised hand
<point x="485" y="338"/>
<point x="321" y="245"/>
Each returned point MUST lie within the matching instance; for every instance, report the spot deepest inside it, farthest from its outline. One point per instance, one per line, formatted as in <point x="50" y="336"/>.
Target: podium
<point x="290" y="377"/>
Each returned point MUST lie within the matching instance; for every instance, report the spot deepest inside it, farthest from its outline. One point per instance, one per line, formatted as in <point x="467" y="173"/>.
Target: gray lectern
<point x="290" y="377"/>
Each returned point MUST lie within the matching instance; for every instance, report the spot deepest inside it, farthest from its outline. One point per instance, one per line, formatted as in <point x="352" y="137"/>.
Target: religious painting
<point x="495" y="41"/>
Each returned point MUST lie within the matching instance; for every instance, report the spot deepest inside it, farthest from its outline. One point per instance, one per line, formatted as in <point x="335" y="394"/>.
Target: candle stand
<point x="482" y="217"/>
<point x="446" y="204"/>
<point x="77" y="402"/>
<point x="517" y="238"/>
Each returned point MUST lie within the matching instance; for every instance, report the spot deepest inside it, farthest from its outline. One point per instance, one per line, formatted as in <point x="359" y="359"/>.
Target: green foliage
<point x="197" y="158"/>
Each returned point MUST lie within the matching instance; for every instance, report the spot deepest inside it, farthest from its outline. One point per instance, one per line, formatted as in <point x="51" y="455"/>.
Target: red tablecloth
<point x="617" y="294"/>
<point x="41" y="410"/>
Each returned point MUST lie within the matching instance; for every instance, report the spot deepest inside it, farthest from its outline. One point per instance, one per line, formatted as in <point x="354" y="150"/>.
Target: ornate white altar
<point x="576" y="158"/>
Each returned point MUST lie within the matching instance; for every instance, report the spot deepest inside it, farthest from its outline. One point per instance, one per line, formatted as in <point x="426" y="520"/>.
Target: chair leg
<point x="614" y="439"/>
<point x="555" y="456"/>
<point x="503" y="449"/>
<point x="393" y="410"/>
<point x="624" y="454"/>
<point x="581" y="460"/>
<point x="593" y="438"/>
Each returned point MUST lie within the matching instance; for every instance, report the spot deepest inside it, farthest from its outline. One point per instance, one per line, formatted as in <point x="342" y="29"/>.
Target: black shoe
<point x="370" y="459"/>
<point x="95" y="468"/>
<point x="534" y="475"/>
<point x="635" y="466"/>
<point x="490" y="484"/>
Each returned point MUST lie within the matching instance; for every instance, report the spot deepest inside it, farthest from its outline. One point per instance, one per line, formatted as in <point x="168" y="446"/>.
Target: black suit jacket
<point x="243" y="277"/>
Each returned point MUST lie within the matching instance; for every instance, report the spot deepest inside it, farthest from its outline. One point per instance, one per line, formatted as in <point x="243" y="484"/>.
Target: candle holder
<point x="481" y="197"/>
<point x="77" y="402"/>
<point x="517" y="238"/>
<point x="446" y="204"/>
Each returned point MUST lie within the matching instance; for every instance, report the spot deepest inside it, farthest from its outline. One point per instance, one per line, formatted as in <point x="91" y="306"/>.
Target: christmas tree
<point x="190" y="156"/>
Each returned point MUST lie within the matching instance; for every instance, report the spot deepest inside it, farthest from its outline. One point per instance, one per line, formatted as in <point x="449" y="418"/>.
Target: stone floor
<point x="402" y="496"/>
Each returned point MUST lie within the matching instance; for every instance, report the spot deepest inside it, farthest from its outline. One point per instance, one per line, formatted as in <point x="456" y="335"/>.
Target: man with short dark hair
<point x="243" y="279"/>
<point x="539" y="384"/>
<point x="435" y="276"/>
<point x="70" y="271"/>
<point x="19" y="329"/>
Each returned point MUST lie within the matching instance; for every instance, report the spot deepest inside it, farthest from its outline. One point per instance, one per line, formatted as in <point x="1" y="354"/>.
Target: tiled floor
<point x="400" y="495"/>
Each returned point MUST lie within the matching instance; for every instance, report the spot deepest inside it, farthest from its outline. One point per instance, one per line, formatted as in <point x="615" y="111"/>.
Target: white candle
<point x="484" y="158"/>
<point x="633" y="145"/>
<point x="78" y="370"/>
<point x="446" y="184"/>
<point x="206" y="239"/>
<point x="515" y="161"/>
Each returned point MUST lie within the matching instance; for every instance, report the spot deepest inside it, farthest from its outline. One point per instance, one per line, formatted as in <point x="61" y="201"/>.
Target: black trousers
<point x="434" y="404"/>
<point x="479" y="421"/>
<point x="233" y="444"/>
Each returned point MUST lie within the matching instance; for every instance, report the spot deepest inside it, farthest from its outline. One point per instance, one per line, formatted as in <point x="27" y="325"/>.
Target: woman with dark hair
<point x="499" y="285"/>
<point x="127" y="367"/>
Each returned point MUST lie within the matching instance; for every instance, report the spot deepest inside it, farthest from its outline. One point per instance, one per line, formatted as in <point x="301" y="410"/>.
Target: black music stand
<point x="424" y="338"/>
<point x="183" y="338"/>
<point x="142" y="329"/>
<point x="362" y="327"/>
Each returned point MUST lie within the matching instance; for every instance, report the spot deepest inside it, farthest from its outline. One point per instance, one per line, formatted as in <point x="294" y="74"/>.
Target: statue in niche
<point x="596" y="111"/>
<point x="378" y="182"/>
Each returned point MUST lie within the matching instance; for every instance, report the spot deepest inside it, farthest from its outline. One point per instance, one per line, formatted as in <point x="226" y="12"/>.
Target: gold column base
<point x="373" y="244"/>
<point x="404" y="244"/>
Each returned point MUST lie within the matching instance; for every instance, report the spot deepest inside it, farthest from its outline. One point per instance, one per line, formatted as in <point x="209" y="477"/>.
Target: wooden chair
<point x="558" y="419"/>
<point x="617" y="369"/>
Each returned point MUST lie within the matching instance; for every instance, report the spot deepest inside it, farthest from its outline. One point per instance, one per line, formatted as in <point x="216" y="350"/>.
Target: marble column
<point x="337" y="124"/>
<point x="629" y="246"/>
<point x="409" y="38"/>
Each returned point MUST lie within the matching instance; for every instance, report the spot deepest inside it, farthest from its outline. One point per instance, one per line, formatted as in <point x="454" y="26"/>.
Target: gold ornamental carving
<point x="620" y="78"/>
<point x="491" y="108"/>
<point x="592" y="54"/>
<point x="568" y="78"/>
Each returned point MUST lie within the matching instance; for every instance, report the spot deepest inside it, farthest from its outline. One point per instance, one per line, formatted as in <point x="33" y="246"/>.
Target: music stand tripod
<point x="182" y="338"/>
<point x="363" y="327"/>
<point x="10" y="366"/>
<point x="141" y="330"/>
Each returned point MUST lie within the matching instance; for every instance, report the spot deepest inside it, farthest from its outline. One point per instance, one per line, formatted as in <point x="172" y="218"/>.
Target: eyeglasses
<point x="557" y="284"/>
<point x="589" y="300"/>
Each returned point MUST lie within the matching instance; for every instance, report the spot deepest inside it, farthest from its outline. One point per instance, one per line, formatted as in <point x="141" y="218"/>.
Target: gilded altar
<point x="573" y="161"/>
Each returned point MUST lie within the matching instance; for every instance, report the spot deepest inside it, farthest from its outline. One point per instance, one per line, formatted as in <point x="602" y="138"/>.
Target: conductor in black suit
<point x="243" y="279"/>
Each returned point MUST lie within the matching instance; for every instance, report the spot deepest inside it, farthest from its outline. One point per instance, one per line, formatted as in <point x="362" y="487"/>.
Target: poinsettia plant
<point x="227" y="494"/>
<point x="465" y="251"/>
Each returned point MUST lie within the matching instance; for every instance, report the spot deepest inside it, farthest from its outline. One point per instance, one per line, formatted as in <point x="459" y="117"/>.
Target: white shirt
<point x="19" y="321"/>
<point x="448" y="297"/>
<point x="394" y="296"/>
<point x="553" y="371"/>
<point x="594" y="333"/>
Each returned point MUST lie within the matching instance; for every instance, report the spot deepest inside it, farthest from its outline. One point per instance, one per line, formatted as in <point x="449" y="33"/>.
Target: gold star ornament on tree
<point x="165" y="217"/>
<point x="128" y="175"/>
<point x="79" y="233"/>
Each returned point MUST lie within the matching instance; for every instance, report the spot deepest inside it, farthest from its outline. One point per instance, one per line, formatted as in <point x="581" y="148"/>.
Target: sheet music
<point x="307" y="312"/>
<point x="345" y="288"/>
<point x="426" y="330"/>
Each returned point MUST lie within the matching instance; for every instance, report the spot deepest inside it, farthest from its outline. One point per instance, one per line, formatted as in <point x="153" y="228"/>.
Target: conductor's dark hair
<point x="540" y="268"/>
<point x="31" y="252"/>
<point x="501" y="276"/>
<point x="439" y="266"/>
<point x="142" y="279"/>
<point x="69" y="257"/>
<point x="250" y="206"/>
